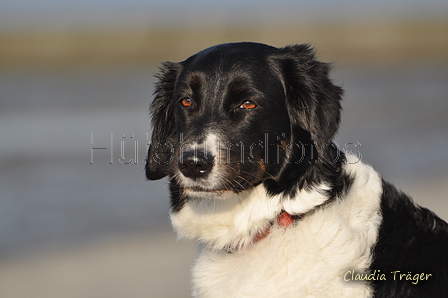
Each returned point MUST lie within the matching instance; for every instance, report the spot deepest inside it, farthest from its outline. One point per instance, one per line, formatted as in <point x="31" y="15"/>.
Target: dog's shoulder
<point x="412" y="248"/>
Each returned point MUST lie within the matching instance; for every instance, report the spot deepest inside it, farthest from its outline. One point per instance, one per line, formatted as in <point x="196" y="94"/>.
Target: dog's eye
<point x="186" y="102"/>
<point x="248" y="105"/>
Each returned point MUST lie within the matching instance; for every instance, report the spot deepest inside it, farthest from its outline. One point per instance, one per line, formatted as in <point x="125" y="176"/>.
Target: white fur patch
<point x="308" y="259"/>
<point x="230" y="220"/>
<point x="306" y="200"/>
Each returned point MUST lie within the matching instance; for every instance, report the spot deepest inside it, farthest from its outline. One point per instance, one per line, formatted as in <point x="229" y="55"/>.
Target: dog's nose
<point x="195" y="164"/>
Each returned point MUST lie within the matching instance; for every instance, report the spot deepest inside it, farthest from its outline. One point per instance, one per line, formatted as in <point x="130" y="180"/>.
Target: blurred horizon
<point x="65" y="34"/>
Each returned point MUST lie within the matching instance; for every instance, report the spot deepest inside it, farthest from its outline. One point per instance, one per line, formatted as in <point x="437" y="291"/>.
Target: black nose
<point x="195" y="164"/>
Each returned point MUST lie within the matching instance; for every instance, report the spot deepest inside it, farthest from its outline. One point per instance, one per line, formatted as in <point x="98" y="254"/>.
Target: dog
<point x="244" y="132"/>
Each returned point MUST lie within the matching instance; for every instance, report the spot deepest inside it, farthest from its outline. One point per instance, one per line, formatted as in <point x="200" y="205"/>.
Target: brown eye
<point x="186" y="102"/>
<point x="248" y="105"/>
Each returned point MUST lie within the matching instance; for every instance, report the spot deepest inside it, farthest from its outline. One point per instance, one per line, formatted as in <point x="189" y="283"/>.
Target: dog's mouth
<point x="200" y="192"/>
<point x="215" y="188"/>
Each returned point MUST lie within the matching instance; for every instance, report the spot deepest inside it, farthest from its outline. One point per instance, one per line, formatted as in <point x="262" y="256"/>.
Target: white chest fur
<point x="308" y="259"/>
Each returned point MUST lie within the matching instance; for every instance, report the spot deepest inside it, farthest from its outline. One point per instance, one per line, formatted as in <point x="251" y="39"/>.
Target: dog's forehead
<point x="226" y="57"/>
<point x="222" y="65"/>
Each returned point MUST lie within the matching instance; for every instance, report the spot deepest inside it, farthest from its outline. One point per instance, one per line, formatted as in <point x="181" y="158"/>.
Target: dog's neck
<point x="236" y="221"/>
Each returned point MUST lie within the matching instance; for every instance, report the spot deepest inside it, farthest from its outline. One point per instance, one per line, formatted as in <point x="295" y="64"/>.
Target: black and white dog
<point x="244" y="132"/>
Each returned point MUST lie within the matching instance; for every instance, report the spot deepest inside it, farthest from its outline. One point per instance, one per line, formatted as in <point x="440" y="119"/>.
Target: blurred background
<point x="78" y="218"/>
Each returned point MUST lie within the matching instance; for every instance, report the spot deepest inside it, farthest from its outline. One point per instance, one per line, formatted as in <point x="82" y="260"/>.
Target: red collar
<point x="284" y="219"/>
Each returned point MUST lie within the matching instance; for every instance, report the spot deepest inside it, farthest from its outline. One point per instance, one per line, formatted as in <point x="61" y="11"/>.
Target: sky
<point x="79" y="13"/>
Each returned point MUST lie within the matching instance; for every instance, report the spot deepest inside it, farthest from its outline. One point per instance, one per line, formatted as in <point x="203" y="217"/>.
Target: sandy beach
<point x="142" y="265"/>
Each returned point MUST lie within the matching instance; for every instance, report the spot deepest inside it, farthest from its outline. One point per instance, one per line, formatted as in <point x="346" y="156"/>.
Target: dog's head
<point x="237" y="115"/>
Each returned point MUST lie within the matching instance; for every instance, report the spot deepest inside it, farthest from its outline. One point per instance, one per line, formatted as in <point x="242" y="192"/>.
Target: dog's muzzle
<point x="195" y="164"/>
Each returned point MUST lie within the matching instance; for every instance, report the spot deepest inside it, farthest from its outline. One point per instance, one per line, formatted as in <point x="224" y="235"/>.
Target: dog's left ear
<point x="313" y="101"/>
<point x="163" y="139"/>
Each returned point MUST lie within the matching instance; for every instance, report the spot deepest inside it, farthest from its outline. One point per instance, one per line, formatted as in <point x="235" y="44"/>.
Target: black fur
<point x="161" y="151"/>
<point x="412" y="239"/>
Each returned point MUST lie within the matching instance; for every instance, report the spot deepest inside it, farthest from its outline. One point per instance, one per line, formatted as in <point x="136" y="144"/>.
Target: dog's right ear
<point x="163" y="139"/>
